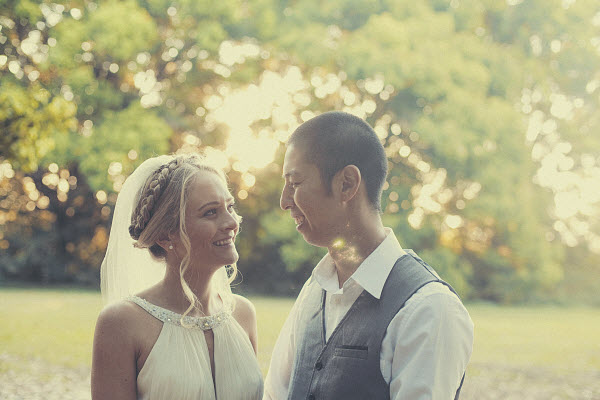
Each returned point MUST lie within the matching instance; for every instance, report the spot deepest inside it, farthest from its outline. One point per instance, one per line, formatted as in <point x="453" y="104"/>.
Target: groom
<point x="374" y="321"/>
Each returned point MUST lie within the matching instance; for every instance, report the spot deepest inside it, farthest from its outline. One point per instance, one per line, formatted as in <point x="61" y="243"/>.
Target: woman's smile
<point x="229" y="242"/>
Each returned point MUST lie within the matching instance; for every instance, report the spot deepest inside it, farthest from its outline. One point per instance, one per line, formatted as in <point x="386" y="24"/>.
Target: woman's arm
<point x="114" y="355"/>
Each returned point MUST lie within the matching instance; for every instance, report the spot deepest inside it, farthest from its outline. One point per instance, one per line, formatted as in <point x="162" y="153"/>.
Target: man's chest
<point x="337" y="306"/>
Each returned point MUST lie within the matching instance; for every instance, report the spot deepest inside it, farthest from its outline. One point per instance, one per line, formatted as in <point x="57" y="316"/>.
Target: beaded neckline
<point x="167" y="316"/>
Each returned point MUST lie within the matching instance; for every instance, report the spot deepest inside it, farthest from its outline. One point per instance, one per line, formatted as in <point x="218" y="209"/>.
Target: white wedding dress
<point x="178" y="366"/>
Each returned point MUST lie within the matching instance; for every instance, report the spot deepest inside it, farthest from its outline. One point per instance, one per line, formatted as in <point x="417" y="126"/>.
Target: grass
<point x="57" y="326"/>
<point x="559" y="338"/>
<point x="270" y="315"/>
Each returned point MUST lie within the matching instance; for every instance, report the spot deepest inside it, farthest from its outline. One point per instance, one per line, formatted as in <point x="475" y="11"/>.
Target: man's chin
<point x="313" y="240"/>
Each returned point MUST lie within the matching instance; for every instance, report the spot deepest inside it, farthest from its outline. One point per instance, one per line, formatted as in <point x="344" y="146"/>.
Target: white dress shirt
<point x="426" y="347"/>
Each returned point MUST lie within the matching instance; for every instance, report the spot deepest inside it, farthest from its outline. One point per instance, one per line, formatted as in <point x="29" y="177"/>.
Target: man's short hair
<point x="336" y="139"/>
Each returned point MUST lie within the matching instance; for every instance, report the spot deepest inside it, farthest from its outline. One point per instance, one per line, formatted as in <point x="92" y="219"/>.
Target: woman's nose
<point x="231" y="221"/>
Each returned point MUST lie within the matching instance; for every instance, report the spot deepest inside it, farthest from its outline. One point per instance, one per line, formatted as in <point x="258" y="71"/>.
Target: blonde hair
<point x="160" y="210"/>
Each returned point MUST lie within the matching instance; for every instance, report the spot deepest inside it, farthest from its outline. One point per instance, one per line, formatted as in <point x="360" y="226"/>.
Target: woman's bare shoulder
<point x="120" y="318"/>
<point x="244" y="312"/>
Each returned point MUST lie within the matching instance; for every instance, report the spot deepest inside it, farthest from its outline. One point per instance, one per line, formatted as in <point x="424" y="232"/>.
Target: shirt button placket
<point x="318" y="367"/>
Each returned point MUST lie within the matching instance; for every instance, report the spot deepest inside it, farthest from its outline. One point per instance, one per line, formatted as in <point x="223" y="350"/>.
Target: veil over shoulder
<point x="126" y="269"/>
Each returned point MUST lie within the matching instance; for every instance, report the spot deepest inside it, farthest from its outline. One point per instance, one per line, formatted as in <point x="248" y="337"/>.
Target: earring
<point x="170" y="247"/>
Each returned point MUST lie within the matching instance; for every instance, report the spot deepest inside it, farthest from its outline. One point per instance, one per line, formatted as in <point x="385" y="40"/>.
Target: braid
<point x="145" y="207"/>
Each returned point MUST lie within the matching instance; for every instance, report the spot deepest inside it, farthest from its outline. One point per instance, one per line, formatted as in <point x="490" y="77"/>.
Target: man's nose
<point x="286" y="201"/>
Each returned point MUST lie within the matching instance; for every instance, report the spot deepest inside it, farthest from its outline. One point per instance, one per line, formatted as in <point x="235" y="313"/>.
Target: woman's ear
<point x="349" y="182"/>
<point x="167" y="243"/>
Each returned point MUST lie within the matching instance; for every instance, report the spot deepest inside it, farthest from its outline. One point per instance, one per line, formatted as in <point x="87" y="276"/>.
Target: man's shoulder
<point x="309" y="286"/>
<point x="435" y="291"/>
<point x="435" y="298"/>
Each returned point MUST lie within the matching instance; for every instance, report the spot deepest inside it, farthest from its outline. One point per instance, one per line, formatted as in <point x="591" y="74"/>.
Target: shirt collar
<point x="371" y="274"/>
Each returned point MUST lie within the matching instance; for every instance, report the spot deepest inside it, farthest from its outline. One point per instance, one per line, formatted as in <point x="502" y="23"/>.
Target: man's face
<point x="316" y="213"/>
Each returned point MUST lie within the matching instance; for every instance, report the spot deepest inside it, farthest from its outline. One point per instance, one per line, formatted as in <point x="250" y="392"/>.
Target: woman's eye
<point x="231" y="208"/>
<point x="294" y="185"/>
<point x="210" y="212"/>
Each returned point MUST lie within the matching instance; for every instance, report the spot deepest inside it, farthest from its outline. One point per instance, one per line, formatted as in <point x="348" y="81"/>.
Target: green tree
<point x="137" y="71"/>
<point x="30" y="120"/>
<point x="486" y="110"/>
<point x="441" y="80"/>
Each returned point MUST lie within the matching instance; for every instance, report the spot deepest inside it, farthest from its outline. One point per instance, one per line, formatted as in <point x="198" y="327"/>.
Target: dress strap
<point x="168" y="316"/>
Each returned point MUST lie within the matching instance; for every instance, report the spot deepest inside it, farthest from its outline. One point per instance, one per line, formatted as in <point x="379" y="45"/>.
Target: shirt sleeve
<point x="427" y="346"/>
<point x="277" y="382"/>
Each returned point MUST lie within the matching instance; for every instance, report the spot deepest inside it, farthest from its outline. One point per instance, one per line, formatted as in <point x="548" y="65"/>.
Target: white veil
<point x="127" y="270"/>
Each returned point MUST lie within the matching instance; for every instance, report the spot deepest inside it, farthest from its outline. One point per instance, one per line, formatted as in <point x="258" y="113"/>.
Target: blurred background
<point x="488" y="111"/>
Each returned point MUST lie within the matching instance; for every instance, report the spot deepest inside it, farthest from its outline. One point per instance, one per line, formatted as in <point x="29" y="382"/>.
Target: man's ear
<point x="349" y="180"/>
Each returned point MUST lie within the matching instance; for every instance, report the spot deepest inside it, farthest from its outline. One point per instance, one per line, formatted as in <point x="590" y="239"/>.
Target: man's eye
<point x="294" y="185"/>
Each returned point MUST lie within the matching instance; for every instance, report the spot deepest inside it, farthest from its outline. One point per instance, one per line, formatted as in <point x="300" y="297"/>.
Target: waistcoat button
<point x="319" y="365"/>
<point x="311" y="397"/>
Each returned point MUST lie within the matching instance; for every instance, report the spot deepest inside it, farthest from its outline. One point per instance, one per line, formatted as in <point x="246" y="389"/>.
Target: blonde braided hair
<point x="150" y="196"/>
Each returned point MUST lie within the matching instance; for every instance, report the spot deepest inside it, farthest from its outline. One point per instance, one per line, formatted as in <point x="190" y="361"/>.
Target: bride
<point x="172" y="329"/>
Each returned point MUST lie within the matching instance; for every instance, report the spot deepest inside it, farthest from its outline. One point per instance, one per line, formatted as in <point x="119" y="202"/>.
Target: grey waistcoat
<point x="348" y="365"/>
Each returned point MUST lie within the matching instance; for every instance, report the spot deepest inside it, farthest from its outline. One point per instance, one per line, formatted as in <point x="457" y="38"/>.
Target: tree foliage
<point x="30" y="119"/>
<point x="486" y="109"/>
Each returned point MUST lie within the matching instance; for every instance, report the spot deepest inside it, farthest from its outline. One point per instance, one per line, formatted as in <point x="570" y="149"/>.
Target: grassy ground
<point x="56" y="327"/>
<point x="560" y="338"/>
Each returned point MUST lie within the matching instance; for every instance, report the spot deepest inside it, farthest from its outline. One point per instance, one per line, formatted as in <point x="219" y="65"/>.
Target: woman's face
<point x="211" y="222"/>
